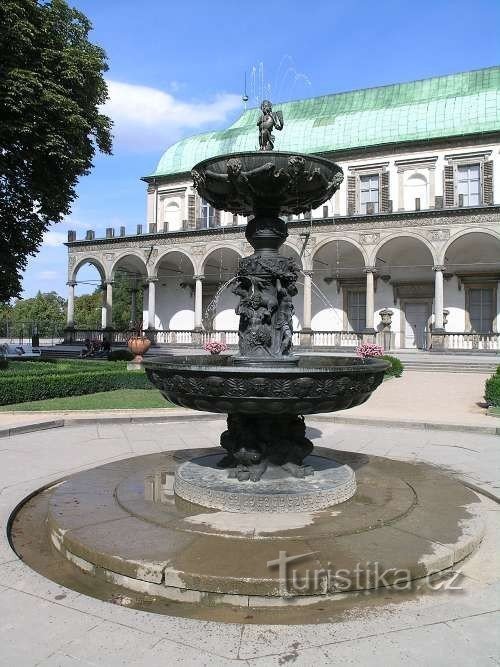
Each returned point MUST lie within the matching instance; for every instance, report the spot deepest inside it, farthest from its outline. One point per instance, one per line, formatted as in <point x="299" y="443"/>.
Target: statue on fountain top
<point x="268" y="121"/>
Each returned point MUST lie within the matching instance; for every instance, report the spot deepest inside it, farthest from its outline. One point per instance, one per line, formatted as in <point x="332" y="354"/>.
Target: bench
<point x="21" y="351"/>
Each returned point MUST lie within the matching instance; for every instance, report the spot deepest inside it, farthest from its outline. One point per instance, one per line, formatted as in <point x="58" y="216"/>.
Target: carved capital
<point x="308" y="272"/>
<point x="438" y="267"/>
<point x="199" y="276"/>
<point x="370" y="269"/>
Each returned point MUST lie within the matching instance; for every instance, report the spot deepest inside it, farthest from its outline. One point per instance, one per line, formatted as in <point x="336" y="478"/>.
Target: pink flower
<point x="214" y="347"/>
<point x="369" y="350"/>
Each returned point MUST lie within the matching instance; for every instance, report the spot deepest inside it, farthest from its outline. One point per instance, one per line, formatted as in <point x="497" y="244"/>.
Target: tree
<point x="122" y="299"/>
<point x="51" y="87"/>
<point x="45" y="311"/>
<point x="88" y="306"/>
<point x="88" y="310"/>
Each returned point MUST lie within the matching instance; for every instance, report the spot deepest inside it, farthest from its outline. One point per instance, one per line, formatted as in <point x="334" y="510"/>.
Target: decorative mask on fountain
<point x="266" y="186"/>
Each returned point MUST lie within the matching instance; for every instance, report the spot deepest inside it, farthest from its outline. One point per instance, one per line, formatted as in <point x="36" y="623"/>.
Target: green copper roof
<point x="443" y="106"/>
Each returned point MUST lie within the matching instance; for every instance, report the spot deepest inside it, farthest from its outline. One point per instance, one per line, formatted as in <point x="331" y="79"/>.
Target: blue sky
<point x="177" y="68"/>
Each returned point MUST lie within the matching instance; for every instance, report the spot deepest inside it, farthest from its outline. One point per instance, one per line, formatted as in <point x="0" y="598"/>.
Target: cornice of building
<point x="446" y="216"/>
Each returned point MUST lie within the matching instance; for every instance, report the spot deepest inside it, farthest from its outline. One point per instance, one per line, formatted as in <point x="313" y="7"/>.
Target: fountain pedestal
<point x="201" y="481"/>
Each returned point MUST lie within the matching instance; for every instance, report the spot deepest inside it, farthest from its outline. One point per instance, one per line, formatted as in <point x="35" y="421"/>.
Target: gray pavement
<point x="42" y="623"/>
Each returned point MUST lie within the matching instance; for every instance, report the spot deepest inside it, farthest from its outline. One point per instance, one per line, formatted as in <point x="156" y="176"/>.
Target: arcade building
<point x="407" y="252"/>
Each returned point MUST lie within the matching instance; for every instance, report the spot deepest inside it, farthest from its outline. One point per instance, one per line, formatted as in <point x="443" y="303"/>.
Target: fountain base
<point x="120" y="529"/>
<point x="201" y="481"/>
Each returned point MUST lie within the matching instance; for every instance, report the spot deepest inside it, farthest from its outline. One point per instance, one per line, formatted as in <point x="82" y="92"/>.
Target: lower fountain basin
<point x="217" y="384"/>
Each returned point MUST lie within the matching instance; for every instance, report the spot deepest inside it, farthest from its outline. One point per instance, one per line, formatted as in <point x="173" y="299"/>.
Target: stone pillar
<point x="306" y="331"/>
<point x="369" y="333"/>
<point x="70" y="316"/>
<point x="69" y="330"/>
<point x="151" y="302"/>
<point x="438" y="297"/>
<point x="107" y="309"/>
<point x="133" y="305"/>
<point x="438" y="340"/>
<point x="198" y="302"/>
<point x="104" y="309"/>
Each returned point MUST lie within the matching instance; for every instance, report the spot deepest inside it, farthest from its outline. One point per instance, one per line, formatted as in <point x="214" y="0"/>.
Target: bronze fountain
<point x="266" y="389"/>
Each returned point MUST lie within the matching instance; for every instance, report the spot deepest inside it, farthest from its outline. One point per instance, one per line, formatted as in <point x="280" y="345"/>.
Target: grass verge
<point x="104" y="400"/>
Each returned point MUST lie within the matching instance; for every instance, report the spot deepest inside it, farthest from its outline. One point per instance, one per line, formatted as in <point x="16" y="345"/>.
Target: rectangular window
<point x="207" y="215"/>
<point x="481" y="310"/>
<point x="369" y="192"/>
<point x="356" y="310"/>
<point x="469" y="184"/>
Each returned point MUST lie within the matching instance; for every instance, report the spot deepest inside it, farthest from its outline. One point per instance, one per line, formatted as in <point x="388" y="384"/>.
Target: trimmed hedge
<point x="396" y="368"/>
<point x="121" y="355"/>
<point x="492" y="390"/>
<point x="61" y="367"/>
<point x="21" y="387"/>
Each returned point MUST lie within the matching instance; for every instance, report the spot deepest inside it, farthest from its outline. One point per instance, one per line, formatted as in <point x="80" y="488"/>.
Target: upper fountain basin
<point x="267" y="182"/>
<point x="317" y="384"/>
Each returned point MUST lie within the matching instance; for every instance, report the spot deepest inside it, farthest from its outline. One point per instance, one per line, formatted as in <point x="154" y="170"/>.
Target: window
<point x="207" y="215"/>
<point x="356" y="310"/>
<point x="481" y="309"/>
<point x="369" y="192"/>
<point x="469" y="182"/>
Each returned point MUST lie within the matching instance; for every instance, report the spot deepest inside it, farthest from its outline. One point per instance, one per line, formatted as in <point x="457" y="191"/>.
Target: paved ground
<point x="42" y="623"/>
<point x="453" y="398"/>
<point x="446" y="398"/>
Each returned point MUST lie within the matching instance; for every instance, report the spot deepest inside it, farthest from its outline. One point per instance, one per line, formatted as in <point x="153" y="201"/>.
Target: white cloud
<point x="146" y="118"/>
<point x="48" y="275"/>
<point x="54" y="239"/>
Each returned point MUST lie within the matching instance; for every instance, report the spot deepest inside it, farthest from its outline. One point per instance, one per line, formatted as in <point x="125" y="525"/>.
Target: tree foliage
<point x="51" y="87"/>
<point x="88" y="306"/>
<point x="88" y="310"/>
<point x="44" y="313"/>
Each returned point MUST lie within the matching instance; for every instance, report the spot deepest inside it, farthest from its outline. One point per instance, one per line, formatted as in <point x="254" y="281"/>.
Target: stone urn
<point x="138" y="345"/>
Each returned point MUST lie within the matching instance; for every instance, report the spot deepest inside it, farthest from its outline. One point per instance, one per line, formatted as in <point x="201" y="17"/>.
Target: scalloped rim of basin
<point x="266" y="158"/>
<point x="197" y="362"/>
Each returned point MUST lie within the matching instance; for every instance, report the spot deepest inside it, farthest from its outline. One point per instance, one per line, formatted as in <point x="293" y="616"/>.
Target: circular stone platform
<point x="121" y="524"/>
<point x="200" y="481"/>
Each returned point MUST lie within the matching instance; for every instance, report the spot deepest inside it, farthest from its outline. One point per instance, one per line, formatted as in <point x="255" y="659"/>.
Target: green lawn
<point x="104" y="400"/>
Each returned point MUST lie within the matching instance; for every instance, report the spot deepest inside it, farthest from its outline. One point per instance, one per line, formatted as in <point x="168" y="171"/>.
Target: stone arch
<point x="401" y="235"/>
<point x="219" y="267"/>
<point x="185" y="253"/>
<point x="131" y="262"/>
<point x="175" y="288"/>
<point x="219" y="246"/>
<point x="465" y="232"/>
<point x="93" y="261"/>
<point x="343" y="239"/>
<point x="406" y="254"/>
<point x="338" y="269"/>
